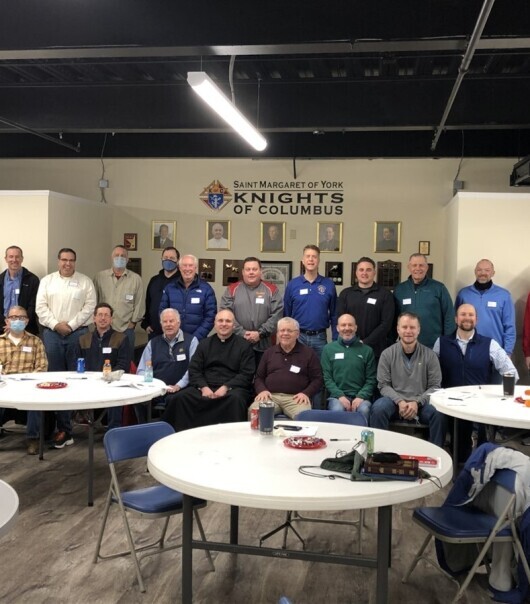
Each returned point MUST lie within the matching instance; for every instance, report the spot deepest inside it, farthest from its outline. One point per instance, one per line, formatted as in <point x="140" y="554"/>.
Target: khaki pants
<point x="283" y="403"/>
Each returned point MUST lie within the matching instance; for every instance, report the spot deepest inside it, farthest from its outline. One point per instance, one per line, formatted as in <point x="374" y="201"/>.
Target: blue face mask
<point x="169" y="265"/>
<point x="119" y="262"/>
<point x="17" y="325"/>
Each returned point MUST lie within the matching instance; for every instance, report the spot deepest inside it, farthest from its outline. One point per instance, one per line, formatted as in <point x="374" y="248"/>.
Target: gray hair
<point x="194" y="258"/>
<point x="173" y="310"/>
<point x="290" y="321"/>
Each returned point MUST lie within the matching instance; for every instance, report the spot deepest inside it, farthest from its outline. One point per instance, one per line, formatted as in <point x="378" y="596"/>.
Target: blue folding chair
<point x="158" y="501"/>
<point x="466" y="524"/>
<point x="335" y="417"/>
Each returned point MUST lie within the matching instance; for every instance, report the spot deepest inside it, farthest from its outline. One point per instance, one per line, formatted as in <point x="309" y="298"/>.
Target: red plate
<point x="304" y="442"/>
<point x="51" y="385"/>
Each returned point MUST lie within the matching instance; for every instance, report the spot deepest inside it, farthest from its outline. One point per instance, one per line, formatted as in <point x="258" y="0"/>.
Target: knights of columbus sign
<point x="216" y="196"/>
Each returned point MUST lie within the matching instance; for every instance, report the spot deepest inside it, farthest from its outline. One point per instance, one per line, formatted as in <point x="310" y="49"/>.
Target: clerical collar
<point x="483" y="286"/>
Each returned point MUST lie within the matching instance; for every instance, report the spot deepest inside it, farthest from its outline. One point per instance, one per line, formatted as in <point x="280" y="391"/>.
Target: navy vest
<point x="166" y="364"/>
<point x="465" y="370"/>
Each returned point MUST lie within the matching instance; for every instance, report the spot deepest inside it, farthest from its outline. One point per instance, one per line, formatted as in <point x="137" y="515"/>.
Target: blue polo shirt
<point x="313" y="305"/>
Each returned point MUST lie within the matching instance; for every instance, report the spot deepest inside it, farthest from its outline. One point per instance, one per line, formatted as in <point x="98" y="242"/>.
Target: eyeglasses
<point x="18" y="317"/>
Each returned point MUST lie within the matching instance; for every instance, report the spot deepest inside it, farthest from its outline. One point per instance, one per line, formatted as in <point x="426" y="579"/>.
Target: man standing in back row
<point x="372" y="306"/>
<point x="311" y="299"/>
<point x="18" y="287"/>
<point x="65" y="304"/>
<point x="123" y="291"/>
<point x="257" y="306"/>
<point x="493" y="304"/>
<point x="427" y="298"/>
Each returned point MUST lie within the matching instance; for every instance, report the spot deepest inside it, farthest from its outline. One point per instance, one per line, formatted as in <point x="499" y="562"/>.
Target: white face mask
<point x="119" y="262"/>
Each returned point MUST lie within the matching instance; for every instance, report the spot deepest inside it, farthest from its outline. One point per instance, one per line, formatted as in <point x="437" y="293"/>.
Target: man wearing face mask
<point x="157" y="284"/>
<point x="22" y="352"/>
<point x="124" y="291"/>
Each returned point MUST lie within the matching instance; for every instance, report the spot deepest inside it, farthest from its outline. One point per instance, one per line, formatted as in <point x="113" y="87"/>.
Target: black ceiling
<point x="320" y="79"/>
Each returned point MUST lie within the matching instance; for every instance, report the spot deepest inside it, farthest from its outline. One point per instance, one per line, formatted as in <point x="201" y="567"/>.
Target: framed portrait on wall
<point x="329" y="236"/>
<point x="163" y="234"/>
<point x="218" y="234"/>
<point x="272" y="237"/>
<point x="387" y="237"/>
<point x="279" y="273"/>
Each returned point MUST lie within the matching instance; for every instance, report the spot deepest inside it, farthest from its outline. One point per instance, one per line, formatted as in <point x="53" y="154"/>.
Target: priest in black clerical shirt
<point x="221" y="373"/>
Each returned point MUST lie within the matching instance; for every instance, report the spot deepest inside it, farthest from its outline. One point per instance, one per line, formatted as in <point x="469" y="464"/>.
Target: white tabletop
<point x="83" y="391"/>
<point x="8" y="507"/>
<point x="230" y="463"/>
<point x="484" y="404"/>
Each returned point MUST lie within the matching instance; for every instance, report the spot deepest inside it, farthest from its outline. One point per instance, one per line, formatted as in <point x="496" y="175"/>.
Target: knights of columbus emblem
<point x="216" y="196"/>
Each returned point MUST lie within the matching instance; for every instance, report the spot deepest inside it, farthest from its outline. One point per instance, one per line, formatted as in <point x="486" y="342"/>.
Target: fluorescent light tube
<point x="210" y="93"/>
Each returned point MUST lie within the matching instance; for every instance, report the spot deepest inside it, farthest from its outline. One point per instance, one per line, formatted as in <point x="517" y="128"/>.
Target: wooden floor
<point x="47" y="557"/>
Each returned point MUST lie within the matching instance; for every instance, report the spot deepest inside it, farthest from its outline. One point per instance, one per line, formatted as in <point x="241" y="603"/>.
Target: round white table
<point x="8" y="507"/>
<point x="83" y="391"/>
<point x="483" y="404"/>
<point x="230" y="463"/>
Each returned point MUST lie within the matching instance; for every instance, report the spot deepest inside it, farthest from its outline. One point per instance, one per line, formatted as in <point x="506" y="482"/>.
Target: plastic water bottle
<point x="107" y="368"/>
<point x="148" y="372"/>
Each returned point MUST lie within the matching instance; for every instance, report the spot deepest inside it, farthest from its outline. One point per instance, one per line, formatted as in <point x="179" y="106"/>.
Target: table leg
<point x="455" y="447"/>
<point x="41" y="436"/>
<point x="384" y="523"/>
<point x="187" y="534"/>
<point x="90" y="458"/>
<point x="234" y="524"/>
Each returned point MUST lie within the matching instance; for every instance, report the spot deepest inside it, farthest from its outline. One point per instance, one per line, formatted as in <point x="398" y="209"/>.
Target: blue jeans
<point x="129" y="332"/>
<point x="335" y="405"/>
<point x="384" y="410"/>
<point x="33" y="424"/>
<point x="61" y="353"/>
<point x="317" y="343"/>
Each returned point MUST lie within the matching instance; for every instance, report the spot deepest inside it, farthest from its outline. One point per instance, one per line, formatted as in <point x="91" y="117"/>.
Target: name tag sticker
<point x="17" y="291"/>
<point x="371" y="301"/>
<point x="73" y="284"/>
<point x="107" y="350"/>
<point x="294" y="369"/>
<point x="260" y="300"/>
<point x="339" y="355"/>
<point x="195" y="300"/>
<point x="181" y="357"/>
<point x="407" y="301"/>
<point x="492" y="304"/>
<point x="129" y="297"/>
<point x="27" y="348"/>
<point x="304" y="292"/>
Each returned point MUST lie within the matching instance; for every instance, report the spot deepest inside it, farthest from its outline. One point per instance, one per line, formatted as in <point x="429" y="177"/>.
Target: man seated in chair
<point x="220" y="380"/>
<point x="407" y="374"/>
<point x="22" y="352"/>
<point x="102" y="344"/>
<point x="289" y="373"/>
<point x="348" y="366"/>
<point x="170" y="355"/>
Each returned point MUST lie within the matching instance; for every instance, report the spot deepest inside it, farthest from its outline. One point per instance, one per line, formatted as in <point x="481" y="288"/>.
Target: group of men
<point x="264" y="346"/>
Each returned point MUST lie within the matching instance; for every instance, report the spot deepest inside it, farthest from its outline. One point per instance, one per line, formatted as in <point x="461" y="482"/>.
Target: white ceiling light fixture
<point x="210" y="93"/>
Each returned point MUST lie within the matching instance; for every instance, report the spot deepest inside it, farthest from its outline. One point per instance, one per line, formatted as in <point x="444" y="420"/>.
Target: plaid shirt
<point x="25" y="357"/>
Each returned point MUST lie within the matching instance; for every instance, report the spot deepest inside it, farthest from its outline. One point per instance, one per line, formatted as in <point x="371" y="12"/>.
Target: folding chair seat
<point x="158" y="501"/>
<point x="336" y="417"/>
<point x="467" y="524"/>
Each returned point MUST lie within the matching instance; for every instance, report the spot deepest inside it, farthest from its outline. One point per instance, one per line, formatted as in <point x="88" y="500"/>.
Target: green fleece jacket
<point x="349" y="370"/>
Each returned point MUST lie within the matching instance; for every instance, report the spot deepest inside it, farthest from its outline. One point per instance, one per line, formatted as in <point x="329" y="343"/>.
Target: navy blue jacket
<point x="472" y="369"/>
<point x="166" y="364"/>
<point x="196" y="304"/>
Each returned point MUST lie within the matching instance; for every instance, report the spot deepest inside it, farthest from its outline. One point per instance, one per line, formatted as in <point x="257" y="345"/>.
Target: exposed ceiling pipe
<point x="57" y="141"/>
<point x="464" y="66"/>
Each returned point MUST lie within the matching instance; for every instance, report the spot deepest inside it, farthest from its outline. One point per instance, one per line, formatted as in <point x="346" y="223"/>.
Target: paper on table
<point x="305" y="431"/>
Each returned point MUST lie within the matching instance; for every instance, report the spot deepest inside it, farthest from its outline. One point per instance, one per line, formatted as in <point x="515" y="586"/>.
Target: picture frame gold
<point x="218" y="236"/>
<point x="329" y="237"/>
<point x="424" y="247"/>
<point x="158" y="240"/>
<point x="387" y="237"/>
<point x="272" y="237"/>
